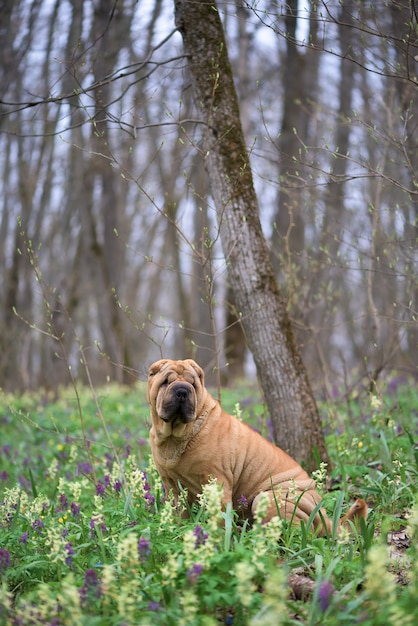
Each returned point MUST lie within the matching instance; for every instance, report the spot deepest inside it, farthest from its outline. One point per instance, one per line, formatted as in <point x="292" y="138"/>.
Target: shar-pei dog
<point x="193" y="440"/>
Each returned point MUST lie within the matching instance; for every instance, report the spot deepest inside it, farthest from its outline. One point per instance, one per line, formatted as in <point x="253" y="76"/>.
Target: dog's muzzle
<point x="178" y="403"/>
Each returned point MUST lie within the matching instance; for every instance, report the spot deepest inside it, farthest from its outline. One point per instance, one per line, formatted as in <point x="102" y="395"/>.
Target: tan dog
<point x="193" y="439"/>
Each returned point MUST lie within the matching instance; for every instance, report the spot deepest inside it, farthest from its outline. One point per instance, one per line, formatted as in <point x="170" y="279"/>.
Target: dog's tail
<point x="357" y="511"/>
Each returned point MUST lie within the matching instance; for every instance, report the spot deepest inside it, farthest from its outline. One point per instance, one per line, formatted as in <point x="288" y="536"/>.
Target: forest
<point x="110" y="240"/>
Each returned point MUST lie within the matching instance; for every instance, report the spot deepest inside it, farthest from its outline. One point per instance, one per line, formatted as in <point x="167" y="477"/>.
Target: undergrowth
<point x="88" y="536"/>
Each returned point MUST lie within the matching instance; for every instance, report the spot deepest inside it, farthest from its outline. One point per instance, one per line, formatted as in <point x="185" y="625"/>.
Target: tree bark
<point x="295" y="418"/>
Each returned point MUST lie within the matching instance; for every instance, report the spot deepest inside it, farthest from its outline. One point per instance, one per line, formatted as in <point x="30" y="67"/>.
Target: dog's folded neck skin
<point x="171" y="440"/>
<point x="180" y="431"/>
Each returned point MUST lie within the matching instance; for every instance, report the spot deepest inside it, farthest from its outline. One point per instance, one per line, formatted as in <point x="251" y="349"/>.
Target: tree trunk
<point x="296" y="423"/>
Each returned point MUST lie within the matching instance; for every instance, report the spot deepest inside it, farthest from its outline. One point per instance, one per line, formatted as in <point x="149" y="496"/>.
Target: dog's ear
<point x="156" y="367"/>
<point x="197" y="369"/>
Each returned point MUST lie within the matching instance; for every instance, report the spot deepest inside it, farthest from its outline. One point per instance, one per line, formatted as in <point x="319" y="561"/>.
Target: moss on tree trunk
<point x="282" y="375"/>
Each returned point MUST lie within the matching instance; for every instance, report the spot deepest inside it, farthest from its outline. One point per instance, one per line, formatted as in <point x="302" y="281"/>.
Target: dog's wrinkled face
<point x="175" y="390"/>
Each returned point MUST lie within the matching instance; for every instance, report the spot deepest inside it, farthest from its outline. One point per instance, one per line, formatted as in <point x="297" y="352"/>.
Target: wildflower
<point x="195" y="548"/>
<point x="273" y="609"/>
<point x="63" y="500"/>
<point x="263" y="504"/>
<point x="75" y="509"/>
<point x="194" y="573"/>
<point x="344" y="535"/>
<point x="73" y="453"/>
<point x="24" y="538"/>
<point x="167" y="515"/>
<point x="242" y="502"/>
<point x="100" y="489"/>
<point x="91" y="589"/>
<point x="211" y="500"/>
<point x="24" y="482"/>
<point x="244" y="574"/>
<point x="52" y="470"/>
<point x="127" y="599"/>
<point x="149" y="498"/>
<point x="37" y="525"/>
<point x="78" y="487"/>
<point x="4" y="475"/>
<point x="6" y="601"/>
<point x="56" y="543"/>
<point x="238" y="411"/>
<point x="169" y="570"/>
<point x="109" y="460"/>
<point x="70" y="553"/>
<point x="144" y="548"/>
<point x="98" y="505"/>
<point x="5" y="560"/>
<point x="117" y="486"/>
<point x="379" y="582"/>
<point x="273" y="529"/>
<point x="6" y="450"/>
<point x="154" y="606"/>
<point x="325" y="593"/>
<point x="84" y="468"/>
<point x="201" y="536"/>
<point x="320" y="476"/>
<point x="128" y="552"/>
<point x="189" y="605"/>
<point x="107" y="577"/>
<point x="97" y="523"/>
<point x="376" y="403"/>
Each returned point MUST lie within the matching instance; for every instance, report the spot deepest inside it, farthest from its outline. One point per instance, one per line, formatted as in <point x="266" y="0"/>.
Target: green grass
<point x="87" y="535"/>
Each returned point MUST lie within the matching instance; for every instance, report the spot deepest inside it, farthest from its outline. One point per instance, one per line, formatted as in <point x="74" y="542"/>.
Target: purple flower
<point x="5" y="560"/>
<point x="84" y="468"/>
<point x="6" y="450"/>
<point x="149" y="498"/>
<point x="91" y="590"/>
<point x="117" y="486"/>
<point x="37" y="525"/>
<point x="97" y="523"/>
<point x="63" y="501"/>
<point x="70" y="553"/>
<point x="4" y="475"/>
<point x="75" y="509"/>
<point x="109" y="460"/>
<point x="144" y="548"/>
<point x="24" y="482"/>
<point x="24" y="538"/>
<point x="325" y="592"/>
<point x="154" y="606"/>
<point x="100" y="489"/>
<point x="194" y="573"/>
<point x="200" y="535"/>
<point x="242" y="502"/>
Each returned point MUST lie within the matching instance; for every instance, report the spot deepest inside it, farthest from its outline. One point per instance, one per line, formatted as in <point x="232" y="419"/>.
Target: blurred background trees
<point x="109" y="244"/>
